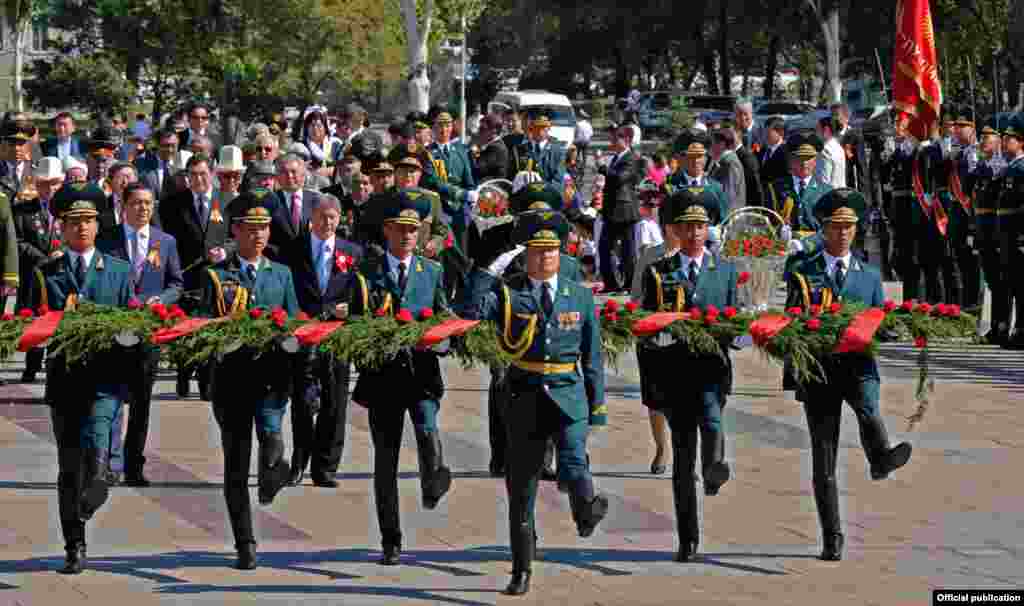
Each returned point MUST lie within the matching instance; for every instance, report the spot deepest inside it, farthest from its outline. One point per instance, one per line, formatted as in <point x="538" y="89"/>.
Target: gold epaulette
<point x="515" y="348"/>
<point x="43" y="297"/>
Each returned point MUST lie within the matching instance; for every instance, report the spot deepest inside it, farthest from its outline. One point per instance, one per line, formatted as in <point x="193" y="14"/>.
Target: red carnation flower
<point x="940" y="309"/>
<point x="571" y="249"/>
<point x="7" y="317"/>
<point x="794" y="311"/>
<point x="907" y="306"/>
<point x="134" y="304"/>
<point x="815" y="310"/>
<point x="175" y="310"/>
<point x="380" y="313"/>
<point x="25" y="313"/>
<point x="404" y="315"/>
<point x="890" y="306"/>
<point x="426" y="313"/>
<point x="835" y="308"/>
<point x="302" y="316"/>
<point x="711" y="310"/>
<point x="813" y="324"/>
<point x="953" y="311"/>
<point x="611" y="305"/>
<point x="449" y="240"/>
<point x="159" y="309"/>
<point x="612" y="316"/>
<point x="632" y="306"/>
<point x="280" y="321"/>
<point x="920" y="342"/>
<point x="924" y="308"/>
<point x="43" y="310"/>
<point x="55" y="243"/>
<point x="729" y="312"/>
<point x="695" y="313"/>
<point x="710" y="319"/>
<point x="743" y="279"/>
<point x="255" y="313"/>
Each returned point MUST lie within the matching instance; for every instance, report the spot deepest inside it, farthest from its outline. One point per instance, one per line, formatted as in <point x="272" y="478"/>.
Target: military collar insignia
<point x="99" y="261"/>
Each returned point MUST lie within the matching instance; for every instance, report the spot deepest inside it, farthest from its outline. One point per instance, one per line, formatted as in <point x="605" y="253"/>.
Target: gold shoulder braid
<point x="680" y="299"/>
<point x="364" y="291"/>
<point x="517" y="349"/>
<point x="43" y="297"/>
<point x="659" y="291"/>
<point x="805" y="292"/>
<point x="441" y="170"/>
<point x="239" y="301"/>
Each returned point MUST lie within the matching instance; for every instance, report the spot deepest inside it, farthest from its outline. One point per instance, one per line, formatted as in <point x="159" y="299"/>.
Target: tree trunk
<point x="417" y="35"/>
<point x="828" y="20"/>
<point x="723" y="47"/>
<point x="20" y="37"/>
<point x="771" y="66"/>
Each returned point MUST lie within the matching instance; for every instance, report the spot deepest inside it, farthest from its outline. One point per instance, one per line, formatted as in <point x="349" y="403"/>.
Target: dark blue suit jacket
<point x="342" y="287"/>
<point x="165" y="281"/>
<point x="49" y="148"/>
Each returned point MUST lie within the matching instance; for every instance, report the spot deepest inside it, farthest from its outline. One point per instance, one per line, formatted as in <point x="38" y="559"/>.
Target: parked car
<point x="656" y="110"/>
<point x="869" y="113"/>
<point x="555" y="106"/>
<point x="807" y="121"/>
<point x="787" y="110"/>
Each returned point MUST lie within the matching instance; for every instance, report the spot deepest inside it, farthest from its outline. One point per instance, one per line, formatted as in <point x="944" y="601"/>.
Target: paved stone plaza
<point x="952" y="518"/>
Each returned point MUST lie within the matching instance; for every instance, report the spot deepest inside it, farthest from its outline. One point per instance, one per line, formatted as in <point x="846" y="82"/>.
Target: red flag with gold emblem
<point x="916" y="90"/>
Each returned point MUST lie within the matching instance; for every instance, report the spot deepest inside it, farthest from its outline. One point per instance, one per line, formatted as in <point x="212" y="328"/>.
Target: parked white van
<point x="532" y="102"/>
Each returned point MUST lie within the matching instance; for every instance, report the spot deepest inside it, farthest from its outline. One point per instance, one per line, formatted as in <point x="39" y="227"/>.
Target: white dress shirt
<point x="87" y="255"/>
<point x="202" y="202"/>
<point x="688" y="259"/>
<point x="553" y="281"/>
<point x="831" y="168"/>
<point x="141" y="237"/>
<point x="830" y="264"/>
<point x="63" y="148"/>
<point x="801" y="185"/>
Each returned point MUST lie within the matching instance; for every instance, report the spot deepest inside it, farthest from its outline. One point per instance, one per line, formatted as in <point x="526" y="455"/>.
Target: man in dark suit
<point x="773" y="152"/>
<point x="196" y="219"/>
<point x="119" y="176"/>
<point x="493" y="162"/>
<point x="65" y="144"/>
<point x="156" y="170"/>
<point x="199" y="126"/>
<point x="291" y="207"/>
<point x="156" y="277"/>
<point x="328" y="288"/>
<point x="17" y="152"/>
<point x="621" y="209"/>
<point x="751" y="172"/>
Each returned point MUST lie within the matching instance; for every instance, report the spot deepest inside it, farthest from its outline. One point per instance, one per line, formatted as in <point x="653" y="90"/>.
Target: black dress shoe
<point x="74" y="561"/>
<point x="833" y="550"/>
<point x="28" y="377"/>
<point x="295" y="477"/>
<point x="324" y="480"/>
<point x="497" y="470"/>
<point x="136" y="480"/>
<point x="715" y="475"/>
<point x="687" y="551"/>
<point x="896" y="457"/>
<point x="590" y="515"/>
<point x="113" y="477"/>
<point x="995" y="337"/>
<point x="246" y="557"/>
<point x="548" y="475"/>
<point x="519" y="585"/>
<point x="182" y="386"/>
<point x="391" y="555"/>
<point x="1014" y="343"/>
<point x="658" y="468"/>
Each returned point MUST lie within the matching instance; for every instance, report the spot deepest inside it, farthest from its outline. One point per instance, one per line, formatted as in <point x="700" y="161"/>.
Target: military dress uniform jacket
<point x="8" y="245"/>
<point x="797" y="210"/>
<point x="548" y="162"/>
<point x="666" y="287"/>
<point x="1008" y="214"/>
<point x="413" y="375"/>
<point x="37" y="232"/>
<point x="454" y="176"/>
<point x="561" y="354"/>
<point x="809" y="284"/>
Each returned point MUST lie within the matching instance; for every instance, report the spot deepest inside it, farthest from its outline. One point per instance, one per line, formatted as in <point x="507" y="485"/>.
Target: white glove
<point x="742" y="341"/>
<point x="786" y="233"/>
<point x="500" y="264"/>
<point x="795" y="246"/>
<point x="472" y="196"/>
<point x="442" y="347"/>
<point x="663" y="339"/>
<point x="524" y="178"/>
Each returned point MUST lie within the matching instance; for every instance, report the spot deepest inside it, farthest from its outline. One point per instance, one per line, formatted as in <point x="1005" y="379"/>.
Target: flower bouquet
<point x="760" y="259"/>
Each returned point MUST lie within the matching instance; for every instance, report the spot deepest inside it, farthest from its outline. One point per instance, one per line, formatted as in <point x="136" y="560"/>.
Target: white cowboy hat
<point x="49" y="168"/>
<point x="230" y="159"/>
<point x="72" y="162"/>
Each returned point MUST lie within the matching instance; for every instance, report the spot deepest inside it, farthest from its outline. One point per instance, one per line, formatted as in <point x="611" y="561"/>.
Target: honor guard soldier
<point x="497" y="250"/>
<point x="328" y="288"/>
<point x="833" y="274"/>
<point x="402" y="282"/>
<point x="1011" y="225"/>
<point x="897" y="176"/>
<point x="454" y="173"/>
<point x="690" y="277"/>
<point x="961" y="219"/>
<point x="84" y="398"/>
<point x="985" y="186"/>
<point x="39" y="239"/>
<point x="691" y="149"/>
<point x="250" y="388"/>
<point x="934" y="222"/>
<point x="546" y="156"/>
<point x="556" y="381"/>
<point x="794" y="197"/>
<point x="16" y="169"/>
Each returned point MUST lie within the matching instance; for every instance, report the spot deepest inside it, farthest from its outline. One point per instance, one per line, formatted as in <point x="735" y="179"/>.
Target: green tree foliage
<point x="91" y="83"/>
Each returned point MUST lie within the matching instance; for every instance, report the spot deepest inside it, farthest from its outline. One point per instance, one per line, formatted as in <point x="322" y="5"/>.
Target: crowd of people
<point x="331" y="219"/>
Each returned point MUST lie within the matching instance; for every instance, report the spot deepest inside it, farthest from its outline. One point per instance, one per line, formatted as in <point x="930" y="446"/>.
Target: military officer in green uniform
<point x="835" y="275"/>
<point x="690" y="277"/>
<point x="690" y="147"/>
<point x="795" y="197"/>
<point x="1011" y="205"/>
<point x="83" y="398"/>
<point x="250" y="389"/>
<point x="16" y="135"/>
<point x="454" y="174"/>
<point x="545" y="156"/>
<point x="986" y="186"/>
<point x="556" y="381"/>
<point x="402" y="281"/>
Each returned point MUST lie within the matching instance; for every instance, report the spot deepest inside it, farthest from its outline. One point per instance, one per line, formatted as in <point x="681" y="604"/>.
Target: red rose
<point x="924" y="308"/>
<point x="612" y="316"/>
<point x="940" y="309"/>
<point x="449" y="240"/>
<point x="695" y="313"/>
<point x="743" y="279"/>
<point x="953" y="311"/>
<point x="302" y="316"/>
<point x="794" y="311"/>
<point x="255" y="313"/>
<point x="890" y="306"/>
<point x="7" y="317"/>
<point x="907" y="306"/>
<point x="426" y="313"/>
<point x="711" y="310"/>
<point x="632" y="306"/>
<point x="134" y="304"/>
<point x="342" y="261"/>
<point x="710" y="320"/>
<point x="835" y="308"/>
<point x="55" y="243"/>
<point x="43" y="310"/>
<point x="611" y="305"/>
<point x="380" y="313"/>
<point x="815" y="310"/>
<point x="920" y="342"/>
<point x="175" y="310"/>
<point x="813" y="324"/>
<point x="404" y="315"/>
<point x="158" y="309"/>
<point x="25" y="313"/>
<point x="729" y="312"/>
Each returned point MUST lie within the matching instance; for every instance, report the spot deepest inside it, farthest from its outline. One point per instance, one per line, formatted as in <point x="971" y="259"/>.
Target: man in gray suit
<point x="157" y="170"/>
<point x="726" y="167"/>
<point x="294" y="206"/>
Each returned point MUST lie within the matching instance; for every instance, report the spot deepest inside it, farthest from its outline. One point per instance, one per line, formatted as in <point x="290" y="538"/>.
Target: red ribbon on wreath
<point x="445" y="330"/>
<point x="183" y="328"/>
<point x="41" y="329"/>
<point x="655" y="323"/>
<point x="860" y="332"/>
<point x="767" y="326"/>
<point x="315" y="332"/>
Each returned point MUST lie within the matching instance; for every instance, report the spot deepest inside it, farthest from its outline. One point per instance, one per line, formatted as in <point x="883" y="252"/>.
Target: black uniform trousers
<point x="71" y="459"/>
<point x="141" y="397"/>
<point x="612" y="232"/>
<point x="992" y="241"/>
<point x="497" y="399"/>
<point x="321" y="441"/>
<point x="964" y="255"/>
